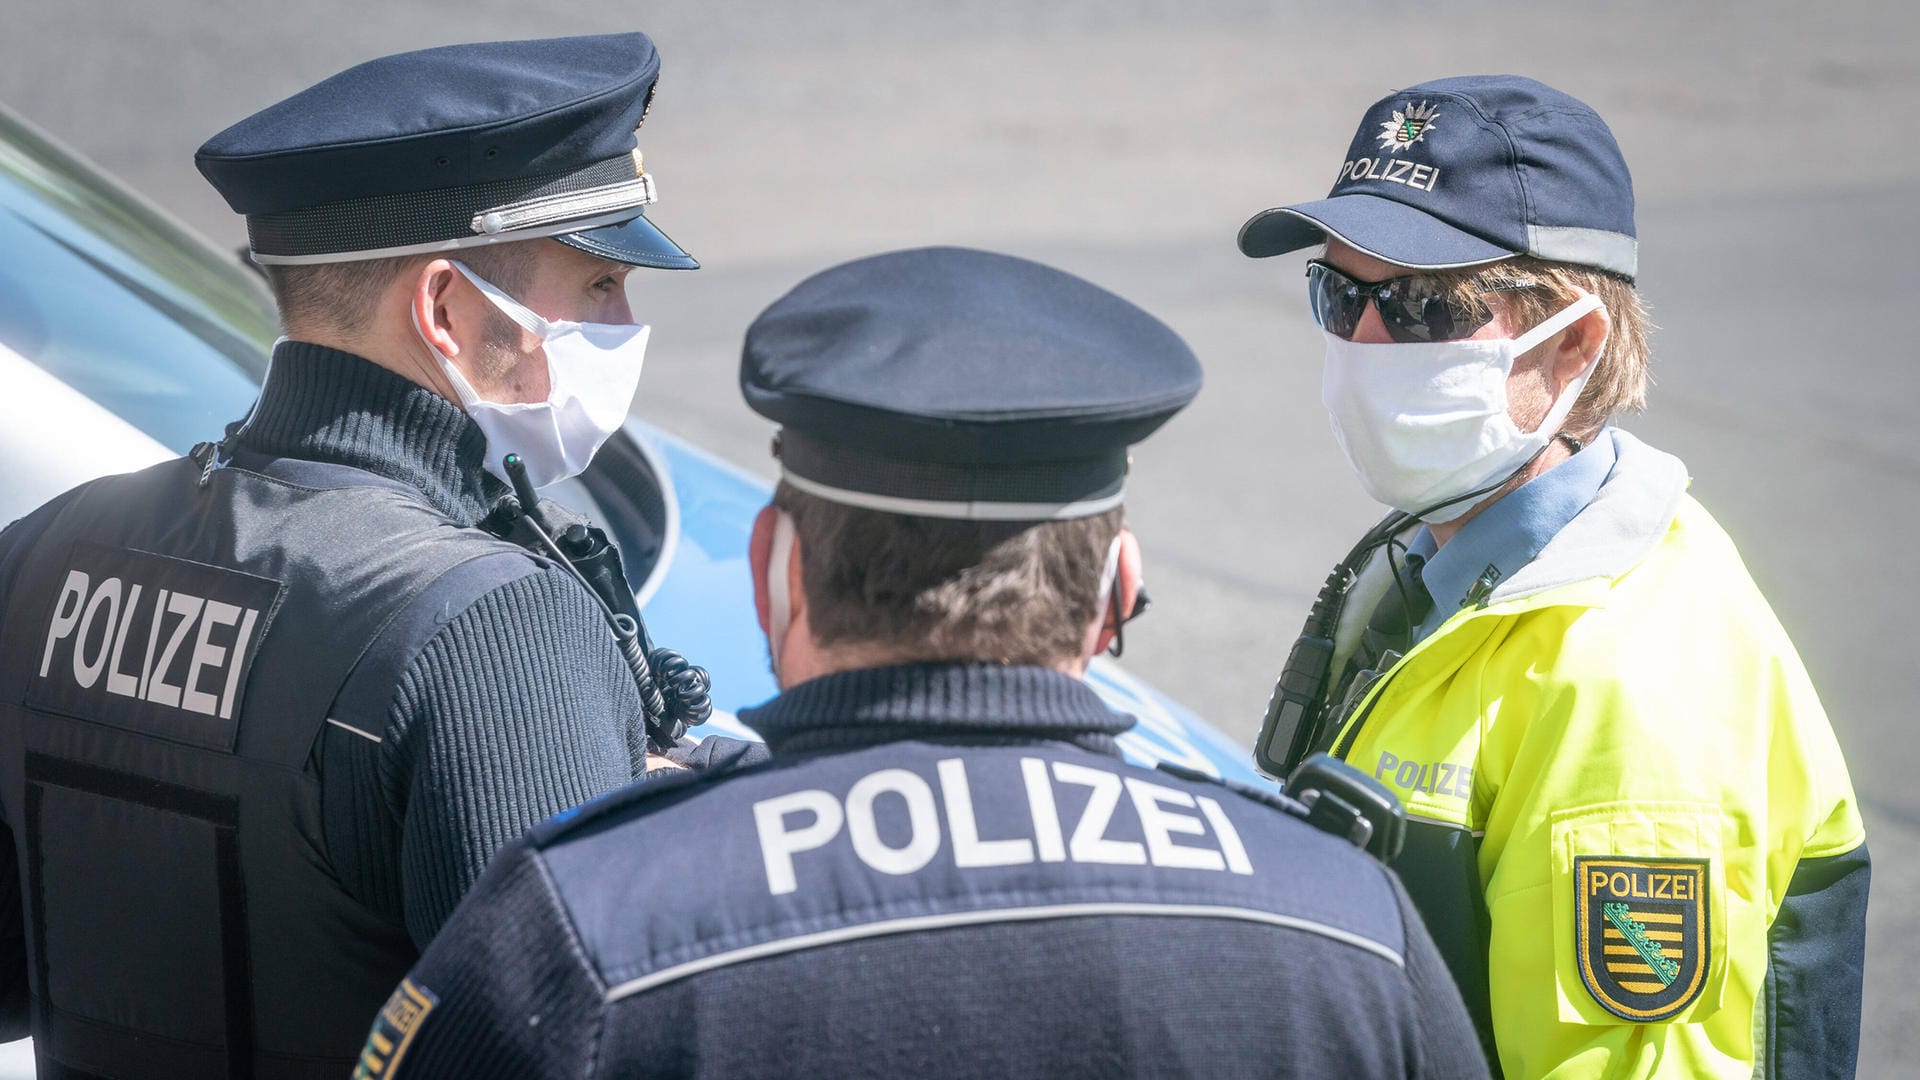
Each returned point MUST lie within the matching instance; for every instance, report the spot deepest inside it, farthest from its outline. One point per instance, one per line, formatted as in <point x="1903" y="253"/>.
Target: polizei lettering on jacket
<point x="896" y="822"/>
<point x="153" y="644"/>
<point x="1390" y="170"/>
<point x="1434" y="777"/>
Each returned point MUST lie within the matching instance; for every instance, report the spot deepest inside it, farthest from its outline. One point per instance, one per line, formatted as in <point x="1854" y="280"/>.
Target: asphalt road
<point x="1774" y="153"/>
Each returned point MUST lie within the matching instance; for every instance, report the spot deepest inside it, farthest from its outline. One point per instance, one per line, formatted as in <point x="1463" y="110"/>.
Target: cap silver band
<point x="956" y="510"/>
<point x="441" y="219"/>
<point x="629" y="194"/>
<point x="1613" y="252"/>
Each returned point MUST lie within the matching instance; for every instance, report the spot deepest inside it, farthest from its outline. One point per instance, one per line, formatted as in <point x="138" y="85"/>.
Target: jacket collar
<point x="322" y="404"/>
<point x="1633" y="509"/>
<point x="921" y="701"/>
<point x="1508" y="535"/>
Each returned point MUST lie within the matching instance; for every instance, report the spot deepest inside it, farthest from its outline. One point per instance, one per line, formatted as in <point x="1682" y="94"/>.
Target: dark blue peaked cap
<point x="946" y="382"/>
<point x="453" y="147"/>
<point x="1471" y="170"/>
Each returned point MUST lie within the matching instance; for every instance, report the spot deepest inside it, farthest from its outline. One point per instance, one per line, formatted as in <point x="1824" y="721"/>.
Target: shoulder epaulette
<point x="1269" y="796"/>
<point x="638" y="798"/>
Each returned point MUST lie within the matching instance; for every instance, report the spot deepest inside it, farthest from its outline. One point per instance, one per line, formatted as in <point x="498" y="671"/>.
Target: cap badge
<point x="1407" y="127"/>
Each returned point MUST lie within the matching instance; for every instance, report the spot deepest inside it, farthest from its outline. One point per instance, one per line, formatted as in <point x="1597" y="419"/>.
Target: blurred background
<point x="1774" y="153"/>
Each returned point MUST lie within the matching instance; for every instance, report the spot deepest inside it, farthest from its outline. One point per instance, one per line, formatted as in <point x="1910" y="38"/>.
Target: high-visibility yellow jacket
<point x="1632" y="830"/>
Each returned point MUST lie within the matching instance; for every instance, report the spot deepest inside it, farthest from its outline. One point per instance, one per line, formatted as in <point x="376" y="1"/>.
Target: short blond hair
<point x="1528" y="290"/>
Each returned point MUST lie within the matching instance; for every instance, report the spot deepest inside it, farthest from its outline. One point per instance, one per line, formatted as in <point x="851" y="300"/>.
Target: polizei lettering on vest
<point x="900" y="804"/>
<point x="195" y="648"/>
<point x="151" y="643"/>
<point x="1390" y="170"/>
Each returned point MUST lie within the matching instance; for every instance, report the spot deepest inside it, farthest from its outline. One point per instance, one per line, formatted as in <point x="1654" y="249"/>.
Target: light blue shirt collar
<point x="1507" y="535"/>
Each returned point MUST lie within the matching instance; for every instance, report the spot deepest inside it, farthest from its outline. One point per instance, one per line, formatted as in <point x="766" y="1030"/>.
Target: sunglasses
<point x="1417" y="307"/>
<point x="1141" y="605"/>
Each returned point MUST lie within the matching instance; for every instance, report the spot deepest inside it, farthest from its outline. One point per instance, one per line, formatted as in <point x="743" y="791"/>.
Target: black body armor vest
<point x="171" y="645"/>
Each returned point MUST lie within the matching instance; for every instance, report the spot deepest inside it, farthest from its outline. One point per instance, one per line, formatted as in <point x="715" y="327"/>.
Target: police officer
<point x="1634" y="837"/>
<point x="946" y="869"/>
<point x="270" y="708"/>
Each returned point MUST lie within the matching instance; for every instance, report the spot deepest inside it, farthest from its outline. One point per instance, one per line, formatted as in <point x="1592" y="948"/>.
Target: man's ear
<point x="427" y="301"/>
<point x="1580" y="346"/>
<point x="759" y="546"/>
<point x="760" y="554"/>
<point x="1126" y="590"/>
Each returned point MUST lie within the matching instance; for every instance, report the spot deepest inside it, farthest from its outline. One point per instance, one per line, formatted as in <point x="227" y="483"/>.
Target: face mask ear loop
<point x="1569" y="394"/>
<point x="779" y="596"/>
<point x="511" y="308"/>
<point x="1109" y="573"/>
<point x="469" y="397"/>
<point x="1555" y="323"/>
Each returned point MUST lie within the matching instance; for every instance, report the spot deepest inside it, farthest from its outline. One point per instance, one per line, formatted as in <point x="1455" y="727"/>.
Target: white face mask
<point x="779" y="597"/>
<point x="1426" y="422"/>
<point x="593" y="370"/>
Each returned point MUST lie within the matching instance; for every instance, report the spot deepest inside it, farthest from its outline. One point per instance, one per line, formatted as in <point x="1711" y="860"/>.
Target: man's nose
<point x="1370" y="330"/>
<point x="616" y="310"/>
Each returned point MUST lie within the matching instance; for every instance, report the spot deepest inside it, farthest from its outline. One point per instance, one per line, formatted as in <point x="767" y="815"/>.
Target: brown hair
<point x="922" y="588"/>
<point x="1528" y="290"/>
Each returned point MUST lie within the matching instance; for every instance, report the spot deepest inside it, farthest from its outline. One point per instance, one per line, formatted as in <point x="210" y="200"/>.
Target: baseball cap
<point x="1471" y="170"/>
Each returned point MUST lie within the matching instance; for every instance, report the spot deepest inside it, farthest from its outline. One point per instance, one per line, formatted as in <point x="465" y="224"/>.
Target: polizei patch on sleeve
<point x="393" y="1030"/>
<point x="1642" y="931"/>
<point x="153" y="644"/>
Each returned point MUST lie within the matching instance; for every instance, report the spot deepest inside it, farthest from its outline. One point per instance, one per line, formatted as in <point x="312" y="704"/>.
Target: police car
<point x="125" y="339"/>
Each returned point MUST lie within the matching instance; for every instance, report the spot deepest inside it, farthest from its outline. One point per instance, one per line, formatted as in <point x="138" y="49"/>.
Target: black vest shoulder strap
<point x="318" y="475"/>
<point x="362" y="704"/>
<point x="400" y="565"/>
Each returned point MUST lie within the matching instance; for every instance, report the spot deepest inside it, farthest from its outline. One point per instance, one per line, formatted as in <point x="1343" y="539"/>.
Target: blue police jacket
<point x="944" y="870"/>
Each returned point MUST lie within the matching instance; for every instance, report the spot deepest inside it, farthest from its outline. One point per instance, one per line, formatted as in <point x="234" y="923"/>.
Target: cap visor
<point x="1387" y="230"/>
<point x="636" y="243"/>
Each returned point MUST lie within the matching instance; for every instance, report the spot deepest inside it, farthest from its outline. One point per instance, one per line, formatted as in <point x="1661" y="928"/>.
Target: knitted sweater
<point x="517" y="707"/>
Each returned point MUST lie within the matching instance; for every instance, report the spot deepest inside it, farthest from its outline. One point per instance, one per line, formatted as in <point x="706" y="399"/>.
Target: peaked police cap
<point x="453" y="147"/>
<point x="953" y="383"/>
